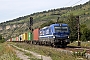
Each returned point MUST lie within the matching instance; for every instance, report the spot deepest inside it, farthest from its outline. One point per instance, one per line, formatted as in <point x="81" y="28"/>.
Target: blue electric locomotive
<point x="55" y="34"/>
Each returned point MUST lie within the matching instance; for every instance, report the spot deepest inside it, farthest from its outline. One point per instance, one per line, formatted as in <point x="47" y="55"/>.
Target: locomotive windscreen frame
<point x="61" y="29"/>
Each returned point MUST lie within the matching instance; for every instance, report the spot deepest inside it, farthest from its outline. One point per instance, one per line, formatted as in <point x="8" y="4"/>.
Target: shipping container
<point x="13" y="39"/>
<point x="10" y="39"/>
<point x="20" y="37"/>
<point x="24" y="36"/>
<point x="36" y="34"/>
<point x="17" y="39"/>
<point x="30" y="36"/>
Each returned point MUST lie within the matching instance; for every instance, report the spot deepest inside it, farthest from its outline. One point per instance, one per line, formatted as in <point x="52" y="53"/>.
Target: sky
<point x="12" y="9"/>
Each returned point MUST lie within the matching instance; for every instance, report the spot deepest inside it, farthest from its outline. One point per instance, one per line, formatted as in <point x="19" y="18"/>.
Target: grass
<point x="48" y="51"/>
<point x="7" y="52"/>
<point x="31" y="56"/>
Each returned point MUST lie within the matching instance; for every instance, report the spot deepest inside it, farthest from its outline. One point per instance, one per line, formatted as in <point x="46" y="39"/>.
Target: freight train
<point x="54" y="35"/>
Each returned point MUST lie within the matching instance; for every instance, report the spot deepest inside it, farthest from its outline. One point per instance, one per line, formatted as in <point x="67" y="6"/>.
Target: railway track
<point x="76" y="49"/>
<point x="80" y="49"/>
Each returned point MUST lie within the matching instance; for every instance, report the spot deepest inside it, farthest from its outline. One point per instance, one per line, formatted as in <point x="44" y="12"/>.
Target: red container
<point x="36" y="34"/>
<point x="17" y="38"/>
<point x="10" y="39"/>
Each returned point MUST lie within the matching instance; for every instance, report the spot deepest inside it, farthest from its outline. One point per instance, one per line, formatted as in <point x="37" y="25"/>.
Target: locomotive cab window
<point x="61" y="29"/>
<point x="64" y="29"/>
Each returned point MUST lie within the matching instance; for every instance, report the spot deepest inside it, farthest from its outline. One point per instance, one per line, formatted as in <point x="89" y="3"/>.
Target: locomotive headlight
<point x="53" y="36"/>
<point x="68" y="36"/>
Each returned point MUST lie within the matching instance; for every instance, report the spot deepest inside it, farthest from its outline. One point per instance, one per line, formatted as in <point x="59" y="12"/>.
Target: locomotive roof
<point x="45" y="27"/>
<point x="61" y="24"/>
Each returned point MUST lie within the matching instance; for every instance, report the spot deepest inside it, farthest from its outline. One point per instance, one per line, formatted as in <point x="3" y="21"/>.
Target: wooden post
<point x="77" y="18"/>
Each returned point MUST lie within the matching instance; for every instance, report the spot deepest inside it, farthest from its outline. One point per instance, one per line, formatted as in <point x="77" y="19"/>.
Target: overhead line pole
<point x="78" y="26"/>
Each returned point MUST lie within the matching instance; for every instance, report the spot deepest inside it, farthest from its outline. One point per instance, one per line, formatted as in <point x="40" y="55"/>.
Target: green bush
<point x="83" y="38"/>
<point x="85" y="34"/>
<point x="2" y="41"/>
<point x="78" y="53"/>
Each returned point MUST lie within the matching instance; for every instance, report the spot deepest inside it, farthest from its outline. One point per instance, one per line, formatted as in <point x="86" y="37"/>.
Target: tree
<point x="2" y="39"/>
<point x="83" y="38"/>
<point x="85" y="33"/>
<point x="47" y="24"/>
<point x="72" y="22"/>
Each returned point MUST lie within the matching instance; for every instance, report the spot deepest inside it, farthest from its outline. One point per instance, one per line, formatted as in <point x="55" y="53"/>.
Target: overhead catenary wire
<point x="70" y="6"/>
<point x="73" y="4"/>
<point x="76" y="3"/>
<point x="68" y="2"/>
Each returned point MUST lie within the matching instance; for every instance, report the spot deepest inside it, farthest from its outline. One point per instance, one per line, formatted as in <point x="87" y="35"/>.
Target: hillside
<point x="20" y="25"/>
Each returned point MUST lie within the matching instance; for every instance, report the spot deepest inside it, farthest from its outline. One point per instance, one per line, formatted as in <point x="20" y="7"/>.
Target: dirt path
<point x="21" y="55"/>
<point x="24" y="57"/>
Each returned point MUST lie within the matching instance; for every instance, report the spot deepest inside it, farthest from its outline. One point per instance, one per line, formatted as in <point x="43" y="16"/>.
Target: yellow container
<point x="24" y="36"/>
